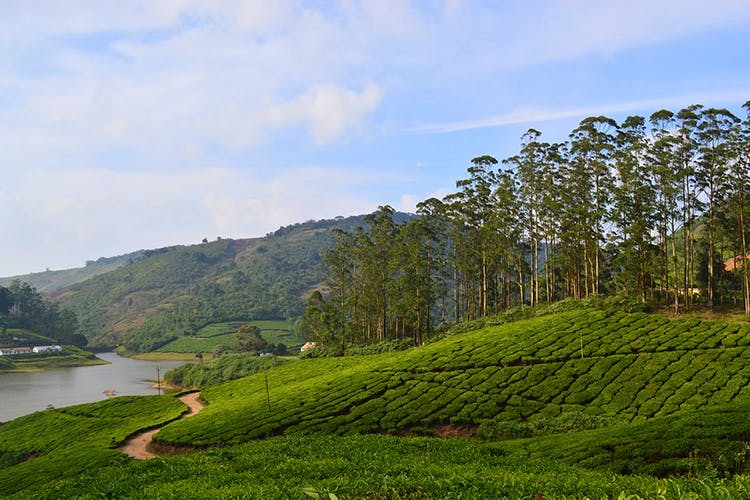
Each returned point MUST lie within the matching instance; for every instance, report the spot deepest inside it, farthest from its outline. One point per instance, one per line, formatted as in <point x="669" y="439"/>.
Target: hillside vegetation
<point x="558" y="405"/>
<point x="632" y="366"/>
<point x="174" y="292"/>
<point x="58" y="443"/>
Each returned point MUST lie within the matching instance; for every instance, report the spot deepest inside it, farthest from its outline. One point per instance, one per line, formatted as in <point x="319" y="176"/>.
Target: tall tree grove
<point x="652" y="208"/>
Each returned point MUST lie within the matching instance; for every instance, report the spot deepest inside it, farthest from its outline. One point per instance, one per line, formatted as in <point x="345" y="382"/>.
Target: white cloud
<point x="327" y="110"/>
<point x="528" y="115"/>
<point x="60" y="219"/>
<point x="109" y="111"/>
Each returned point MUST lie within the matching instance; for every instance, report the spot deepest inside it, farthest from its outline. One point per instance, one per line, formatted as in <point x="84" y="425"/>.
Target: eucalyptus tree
<point x="435" y="225"/>
<point x="633" y="207"/>
<point x="344" y="284"/>
<point x="688" y="154"/>
<point x="592" y="145"/>
<point x="552" y="189"/>
<point x="668" y="177"/>
<point x="509" y="229"/>
<point x="529" y="166"/>
<point x="472" y="208"/>
<point x="414" y="284"/>
<point x="735" y="207"/>
<point x="715" y="133"/>
<point x="378" y="267"/>
<point x="742" y="182"/>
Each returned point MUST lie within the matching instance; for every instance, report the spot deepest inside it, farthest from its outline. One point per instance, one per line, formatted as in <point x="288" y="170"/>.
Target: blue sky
<point x="140" y="124"/>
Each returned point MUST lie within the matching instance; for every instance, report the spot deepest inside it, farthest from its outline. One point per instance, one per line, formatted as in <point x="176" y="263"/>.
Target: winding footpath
<point x="137" y="446"/>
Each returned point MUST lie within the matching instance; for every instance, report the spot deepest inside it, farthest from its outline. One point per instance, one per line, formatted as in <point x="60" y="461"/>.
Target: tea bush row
<point x="467" y="378"/>
<point x="63" y="442"/>
<point x="373" y="467"/>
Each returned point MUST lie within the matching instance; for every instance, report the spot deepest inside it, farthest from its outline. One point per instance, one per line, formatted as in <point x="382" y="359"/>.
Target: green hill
<point x="176" y="291"/>
<point x="632" y="366"/>
<point x="583" y="403"/>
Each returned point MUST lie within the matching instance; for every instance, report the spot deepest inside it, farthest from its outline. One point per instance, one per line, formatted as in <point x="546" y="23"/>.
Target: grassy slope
<point x="373" y="467"/>
<point x="669" y="382"/>
<point x="52" y="444"/>
<point x="635" y="366"/>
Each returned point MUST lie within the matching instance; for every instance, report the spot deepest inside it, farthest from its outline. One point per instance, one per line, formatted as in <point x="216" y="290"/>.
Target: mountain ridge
<point x="175" y="291"/>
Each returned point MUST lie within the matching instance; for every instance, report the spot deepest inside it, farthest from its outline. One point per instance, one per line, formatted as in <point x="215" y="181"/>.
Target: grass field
<point x="564" y="405"/>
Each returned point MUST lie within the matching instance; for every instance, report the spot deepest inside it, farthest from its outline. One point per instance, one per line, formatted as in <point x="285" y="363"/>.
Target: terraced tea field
<point x="58" y="443"/>
<point x="633" y="366"/>
<point x="673" y="396"/>
<point x="223" y="334"/>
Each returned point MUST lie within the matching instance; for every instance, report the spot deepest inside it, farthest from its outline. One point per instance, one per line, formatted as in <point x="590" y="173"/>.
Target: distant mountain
<point x="49" y="282"/>
<point x="175" y="291"/>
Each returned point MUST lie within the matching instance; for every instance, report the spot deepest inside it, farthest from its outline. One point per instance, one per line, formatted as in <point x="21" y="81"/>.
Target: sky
<point x="142" y="124"/>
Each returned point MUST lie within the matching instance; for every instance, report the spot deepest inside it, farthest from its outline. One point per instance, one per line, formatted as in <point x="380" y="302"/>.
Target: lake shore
<point x="50" y="363"/>
<point x="91" y="380"/>
<point x="167" y="356"/>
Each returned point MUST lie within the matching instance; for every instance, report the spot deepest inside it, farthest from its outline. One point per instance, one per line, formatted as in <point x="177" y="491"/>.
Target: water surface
<point x="23" y="393"/>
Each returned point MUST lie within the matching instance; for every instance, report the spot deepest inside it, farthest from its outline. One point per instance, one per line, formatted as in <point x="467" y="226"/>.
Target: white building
<point x="15" y="351"/>
<point x="46" y="348"/>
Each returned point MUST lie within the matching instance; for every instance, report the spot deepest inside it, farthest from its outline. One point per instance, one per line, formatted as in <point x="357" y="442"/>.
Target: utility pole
<point x="268" y="393"/>
<point x="158" y="380"/>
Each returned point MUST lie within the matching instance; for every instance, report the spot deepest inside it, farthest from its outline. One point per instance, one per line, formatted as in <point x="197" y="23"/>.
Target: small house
<point x="308" y="345"/>
<point x="15" y="351"/>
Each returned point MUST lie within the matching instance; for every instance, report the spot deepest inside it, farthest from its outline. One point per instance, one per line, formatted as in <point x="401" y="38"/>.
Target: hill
<point x="50" y="282"/>
<point x="564" y="405"/>
<point x="176" y="291"/>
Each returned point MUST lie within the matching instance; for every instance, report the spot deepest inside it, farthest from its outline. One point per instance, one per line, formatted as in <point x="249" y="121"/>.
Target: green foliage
<point x="224" y="368"/>
<point x="176" y="291"/>
<point x="54" y="444"/>
<point x="635" y="365"/>
<point x="371" y="467"/>
<point x="32" y="312"/>
<point x="505" y="427"/>
<point x="707" y="440"/>
<point x="321" y="351"/>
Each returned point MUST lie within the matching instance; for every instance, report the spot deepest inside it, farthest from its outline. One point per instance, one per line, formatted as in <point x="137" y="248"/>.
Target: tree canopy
<point x="651" y="208"/>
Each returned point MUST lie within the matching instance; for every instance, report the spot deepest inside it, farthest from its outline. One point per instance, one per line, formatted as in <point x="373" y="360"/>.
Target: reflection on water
<point x="22" y="393"/>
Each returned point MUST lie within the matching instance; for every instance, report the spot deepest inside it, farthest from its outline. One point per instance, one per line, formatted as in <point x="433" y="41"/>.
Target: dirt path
<point x="137" y="446"/>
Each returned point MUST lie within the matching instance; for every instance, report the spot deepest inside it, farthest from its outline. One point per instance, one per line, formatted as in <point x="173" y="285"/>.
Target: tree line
<point x="652" y="208"/>
<point x="22" y="306"/>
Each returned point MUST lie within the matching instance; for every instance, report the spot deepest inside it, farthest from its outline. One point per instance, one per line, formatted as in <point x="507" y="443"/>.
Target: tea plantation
<point x="57" y="443"/>
<point x="632" y="366"/>
<point x="583" y="403"/>
<point x="208" y="338"/>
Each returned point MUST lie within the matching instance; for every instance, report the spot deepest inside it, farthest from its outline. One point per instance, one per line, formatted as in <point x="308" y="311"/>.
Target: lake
<point x="23" y="393"/>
